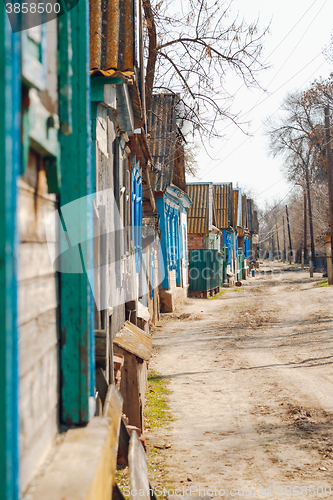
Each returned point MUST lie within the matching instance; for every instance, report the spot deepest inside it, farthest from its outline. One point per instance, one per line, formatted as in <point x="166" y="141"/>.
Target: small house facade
<point x="169" y="187"/>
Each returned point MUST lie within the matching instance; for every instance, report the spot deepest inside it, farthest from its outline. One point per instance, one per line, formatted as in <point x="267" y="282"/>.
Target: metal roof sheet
<point x="223" y="204"/>
<point x="244" y="212"/>
<point x="235" y="206"/>
<point x="197" y="215"/>
<point x="114" y="35"/>
<point x="250" y="215"/>
<point x="256" y="222"/>
<point x="162" y="137"/>
<point x="126" y="75"/>
<point x="134" y="340"/>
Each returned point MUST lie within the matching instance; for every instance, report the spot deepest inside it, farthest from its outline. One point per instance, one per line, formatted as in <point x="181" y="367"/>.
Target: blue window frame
<point x="246" y="248"/>
<point x="152" y="269"/>
<point x="136" y="179"/>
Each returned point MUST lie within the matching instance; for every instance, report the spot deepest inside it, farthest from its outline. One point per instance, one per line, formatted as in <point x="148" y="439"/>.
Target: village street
<point x="251" y="380"/>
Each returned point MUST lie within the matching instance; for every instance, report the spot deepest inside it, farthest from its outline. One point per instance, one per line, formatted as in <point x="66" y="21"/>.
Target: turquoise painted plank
<point x="10" y="99"/>
<point x="164" y="264"/>
<point x="65" y="69"/>
<point x="77" y="308"/>
<point x="97" y="86"/>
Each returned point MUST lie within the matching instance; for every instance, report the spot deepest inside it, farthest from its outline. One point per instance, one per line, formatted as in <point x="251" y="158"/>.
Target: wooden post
<point x="290" y="245"/>
<point x="329" y="258"/>
<point x="10" y="126"/>
<point x="329" y="179"/>
<point x="271" y="256"/>
<point x="77" y="307"/>
<point x="277" y="237"/>
<point x="273" y="245"/>
<point x="284" y="241"/>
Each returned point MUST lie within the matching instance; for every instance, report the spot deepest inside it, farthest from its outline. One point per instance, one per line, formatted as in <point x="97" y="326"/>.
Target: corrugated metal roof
<point x="112" y="35"/>
<point x="162" y="129"/>
<point x="113" y="45"/>
<point x="256" y="222"/>
<point x="223" y="204"/>
<point x="197" y="215"/>
<point x="244" y="212"/>
<point x="134" y="340"/>
<point x="235" y="206"/>
<point x="250" y="216"/>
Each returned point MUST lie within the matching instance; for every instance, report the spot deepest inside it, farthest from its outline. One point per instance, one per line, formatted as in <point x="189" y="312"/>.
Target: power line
<point x="267" y="58"/>
<point x="247" y="138"/>
<point x="277" y="182"/>
<point x="264" y="216"/>
<point x="259" y="103"/>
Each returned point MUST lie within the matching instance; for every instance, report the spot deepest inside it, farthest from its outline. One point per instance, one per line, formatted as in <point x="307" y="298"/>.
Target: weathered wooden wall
<point x="37" y="318"/>
<point x="38" y="297"/>
<point x="110" y="176"/>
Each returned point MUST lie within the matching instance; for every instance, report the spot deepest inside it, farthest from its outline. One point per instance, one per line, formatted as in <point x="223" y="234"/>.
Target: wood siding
<point x="37" y="319"/>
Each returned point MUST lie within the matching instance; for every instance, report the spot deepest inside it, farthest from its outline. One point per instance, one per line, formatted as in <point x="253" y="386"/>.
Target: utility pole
<point x="284" y="241"/>
<point x="271" y="248"/>
<point x="330" y="189"/>
<point x="305" y="231"/>
<point x="290" y="245"/>
<point x="277" y="237"/>
<point x="313" y="253"/>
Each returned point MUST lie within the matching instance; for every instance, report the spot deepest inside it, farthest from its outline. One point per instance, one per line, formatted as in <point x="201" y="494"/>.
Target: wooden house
<point x="223" y="199"/>
<point x="201" y="217"/>
<point x="72" y="132"/>
<point x="207" y="271"/>
<point x="37" y="280"/>
<point x="167" y="150"/>
<point x="246" y="236"/>
<point x="47" y="354"/>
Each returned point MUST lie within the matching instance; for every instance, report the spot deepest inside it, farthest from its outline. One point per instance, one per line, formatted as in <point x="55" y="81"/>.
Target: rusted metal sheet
<point x="112" y="40"/>
<point x="95" y="33"/>
<point x="162" y="130"/>
<point x="244" y="212"/>
<point x="256" y="222"/>
<point x="127" y="76"/>
<point x="112" y="34"/>
<point x="235" y="207"/>
<point x="134" y="340"/>
<point x="250" y="216"/>
<point x="197" y="215"/>
<point x="223" y="205"/>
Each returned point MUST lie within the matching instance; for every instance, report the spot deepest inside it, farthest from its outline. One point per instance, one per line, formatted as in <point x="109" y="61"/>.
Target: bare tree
<point x="294" y="136"/>
<point x="190" y="52"/>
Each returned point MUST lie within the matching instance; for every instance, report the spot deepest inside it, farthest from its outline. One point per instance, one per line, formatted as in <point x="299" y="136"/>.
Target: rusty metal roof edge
<point x="127" y="76"/>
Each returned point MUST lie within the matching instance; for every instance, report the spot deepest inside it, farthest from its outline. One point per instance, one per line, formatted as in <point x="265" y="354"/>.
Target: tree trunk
<point x="305" y="231"/>
<point x="313" y="255"/>
<point x="152" y="51"/>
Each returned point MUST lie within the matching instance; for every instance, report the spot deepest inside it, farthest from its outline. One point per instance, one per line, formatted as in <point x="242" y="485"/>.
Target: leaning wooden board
<point x="134" y="340"/>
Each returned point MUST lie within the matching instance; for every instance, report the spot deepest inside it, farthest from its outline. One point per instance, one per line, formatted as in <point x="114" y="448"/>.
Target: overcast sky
<point x="299" y="31"/>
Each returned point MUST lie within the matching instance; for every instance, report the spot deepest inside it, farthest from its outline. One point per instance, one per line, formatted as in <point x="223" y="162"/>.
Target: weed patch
<point x="221" y="292"/>
<point x="323" y="283"/>
<point x="156" y="413"/>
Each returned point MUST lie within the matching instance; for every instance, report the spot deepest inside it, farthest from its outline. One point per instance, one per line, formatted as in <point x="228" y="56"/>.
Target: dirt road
<point x="251" y="379"/>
